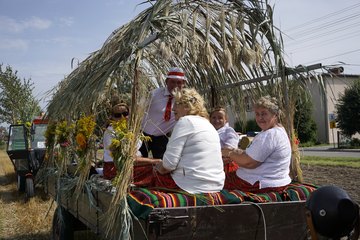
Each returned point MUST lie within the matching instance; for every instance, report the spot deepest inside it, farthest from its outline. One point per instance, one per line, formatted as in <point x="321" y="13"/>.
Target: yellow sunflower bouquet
<point x="84" y="148"/>
<point x="84" y="132"/>
<point x="118" y="146"/>
<point x="63" y="132"/>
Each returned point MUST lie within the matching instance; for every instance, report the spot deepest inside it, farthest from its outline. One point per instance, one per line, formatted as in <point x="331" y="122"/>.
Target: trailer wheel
<point x="20" y="183"/>
<point x="29" y="187"/>
<point x="62" y="225"/>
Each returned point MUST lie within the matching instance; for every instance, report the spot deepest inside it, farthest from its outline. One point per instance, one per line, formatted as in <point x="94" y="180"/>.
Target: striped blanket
<point x="143" y="200"/>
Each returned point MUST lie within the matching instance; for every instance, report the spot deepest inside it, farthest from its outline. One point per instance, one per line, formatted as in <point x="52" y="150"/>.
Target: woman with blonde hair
<point x="265" y="164"/>
<point x="192" y="160"/>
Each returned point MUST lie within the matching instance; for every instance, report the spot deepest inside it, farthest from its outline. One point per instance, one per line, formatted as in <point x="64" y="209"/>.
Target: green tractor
<point x="26" y="149"/>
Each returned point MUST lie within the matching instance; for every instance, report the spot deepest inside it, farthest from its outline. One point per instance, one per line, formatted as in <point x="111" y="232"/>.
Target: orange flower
<point x="81" y="140"/>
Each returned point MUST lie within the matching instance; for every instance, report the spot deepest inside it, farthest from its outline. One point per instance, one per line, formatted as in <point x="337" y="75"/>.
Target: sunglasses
<point x="119" y="115"/>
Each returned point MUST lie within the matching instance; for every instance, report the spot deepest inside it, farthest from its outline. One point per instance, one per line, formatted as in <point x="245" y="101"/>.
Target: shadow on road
<point x="7" y="179"/>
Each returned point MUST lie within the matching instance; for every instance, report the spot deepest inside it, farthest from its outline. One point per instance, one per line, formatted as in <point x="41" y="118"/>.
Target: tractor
<point x="26" y="149"/>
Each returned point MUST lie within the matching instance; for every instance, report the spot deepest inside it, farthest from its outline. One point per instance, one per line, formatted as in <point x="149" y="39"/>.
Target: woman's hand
<point x="139" y="161"/>
<point x="225" y="152"/>
<point x="160" y="168"/>
<point x="240" y="157"/>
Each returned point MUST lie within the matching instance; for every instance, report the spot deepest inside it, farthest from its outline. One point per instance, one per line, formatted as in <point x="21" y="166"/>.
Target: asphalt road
<point x="329" y="151"/>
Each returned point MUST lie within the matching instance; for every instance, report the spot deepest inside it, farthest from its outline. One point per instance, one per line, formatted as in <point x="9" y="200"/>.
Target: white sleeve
<point x="107" y="139"/>
<point x="181" y="132"/>
<point x="108" y="136"/>
<point x="231" y="138"/>
<point x="262" y="146"/>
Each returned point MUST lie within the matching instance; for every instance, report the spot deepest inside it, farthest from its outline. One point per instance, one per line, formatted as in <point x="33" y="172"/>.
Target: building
<point x="324" y="102"/>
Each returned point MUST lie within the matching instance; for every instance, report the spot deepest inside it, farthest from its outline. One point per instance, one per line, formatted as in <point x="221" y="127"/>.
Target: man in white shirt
<point x="159" y="120"/>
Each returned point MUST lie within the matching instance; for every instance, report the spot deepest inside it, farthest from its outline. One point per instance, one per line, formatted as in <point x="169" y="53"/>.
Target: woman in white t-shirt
<point x="228" y="137"/>
<point x="192" y="160"/>
<point x="265" y="164"/>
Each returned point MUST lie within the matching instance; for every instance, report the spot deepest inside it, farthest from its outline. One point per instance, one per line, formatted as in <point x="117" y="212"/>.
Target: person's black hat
<point x="333" y="213"/>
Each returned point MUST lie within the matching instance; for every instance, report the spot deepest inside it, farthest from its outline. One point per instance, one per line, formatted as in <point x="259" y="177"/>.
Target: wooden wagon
<point x="177" y="215"/>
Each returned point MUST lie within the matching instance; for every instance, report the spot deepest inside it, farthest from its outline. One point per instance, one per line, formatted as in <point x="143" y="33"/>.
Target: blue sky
<point x="39" y="38"/>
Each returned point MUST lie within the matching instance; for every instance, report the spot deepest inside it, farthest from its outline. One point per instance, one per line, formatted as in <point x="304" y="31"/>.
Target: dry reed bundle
<point x="119" y="212"/>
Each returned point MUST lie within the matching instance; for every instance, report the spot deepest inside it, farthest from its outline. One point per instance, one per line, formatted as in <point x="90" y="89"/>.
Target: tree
<point x="304" y="124"/>
<point x="3" y="135"/>
<point x="348" y="109"/>
<point x="17" y="102"/>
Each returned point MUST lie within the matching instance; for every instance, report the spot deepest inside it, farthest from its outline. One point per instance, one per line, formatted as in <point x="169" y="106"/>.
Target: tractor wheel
<point x="29" y="187"/>
<point x="62" y="225"/>
<point x="21" y="183"/>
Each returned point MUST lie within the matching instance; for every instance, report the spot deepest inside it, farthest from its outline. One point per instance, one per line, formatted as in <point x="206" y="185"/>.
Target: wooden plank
<point x="86" y="212"/>
<point x="285" y="220"/>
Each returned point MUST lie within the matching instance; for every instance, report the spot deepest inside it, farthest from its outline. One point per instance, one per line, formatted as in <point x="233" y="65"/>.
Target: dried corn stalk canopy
<point x="216" y="42"/>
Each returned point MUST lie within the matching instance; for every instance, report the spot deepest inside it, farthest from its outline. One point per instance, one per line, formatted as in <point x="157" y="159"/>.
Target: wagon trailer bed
<point x="176" y="215"/>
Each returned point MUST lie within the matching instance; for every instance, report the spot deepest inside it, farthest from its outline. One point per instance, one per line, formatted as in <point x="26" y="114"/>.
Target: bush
<point x="250" y="126"/>
<point x="355" y="142"/>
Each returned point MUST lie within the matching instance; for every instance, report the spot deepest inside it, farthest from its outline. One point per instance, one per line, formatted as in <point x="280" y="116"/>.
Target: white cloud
<point x="66" y="21"/>
<point x="37" y="23"/>
<point x="12" y="25"/>
<point x="115" y="3"/>
<point x="60" y="41"/>
<point x="9" y="24"/>
<point x="13" y="44"/>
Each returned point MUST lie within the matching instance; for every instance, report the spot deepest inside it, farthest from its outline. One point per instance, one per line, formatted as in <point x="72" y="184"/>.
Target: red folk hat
<point x="177" y="73"/>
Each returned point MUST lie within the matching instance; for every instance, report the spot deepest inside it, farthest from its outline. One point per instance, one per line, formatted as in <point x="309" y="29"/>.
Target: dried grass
<point x="22" y="219"/>
<point x="39" y="222"/>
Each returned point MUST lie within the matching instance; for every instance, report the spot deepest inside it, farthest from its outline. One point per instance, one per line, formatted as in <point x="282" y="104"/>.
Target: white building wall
<point x="324" y="103"/>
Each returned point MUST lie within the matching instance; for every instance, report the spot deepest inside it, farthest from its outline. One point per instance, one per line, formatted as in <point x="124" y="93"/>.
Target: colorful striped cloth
<point x="143" y="200"/>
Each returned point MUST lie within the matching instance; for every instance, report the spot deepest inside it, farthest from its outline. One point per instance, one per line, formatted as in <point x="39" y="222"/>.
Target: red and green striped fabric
<point x="143" y="200"/>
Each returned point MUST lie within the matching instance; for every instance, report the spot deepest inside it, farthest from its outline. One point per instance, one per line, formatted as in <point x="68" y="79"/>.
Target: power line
<point x="325" y="30"/>
<point x="324" y="17"/>
<point x="327" y="25"/>
<point x="342" y="54"/>
<point x="333" y="39"/>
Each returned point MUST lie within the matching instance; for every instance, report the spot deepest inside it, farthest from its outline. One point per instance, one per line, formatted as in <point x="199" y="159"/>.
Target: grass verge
<point x="332" y="161"/>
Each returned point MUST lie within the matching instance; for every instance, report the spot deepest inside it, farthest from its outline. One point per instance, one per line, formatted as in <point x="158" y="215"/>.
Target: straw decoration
<point x="258" y="54"/>
<point x="235" y="42"/>
<point x="164" y="51"/>
<point x="248" y="56"/>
